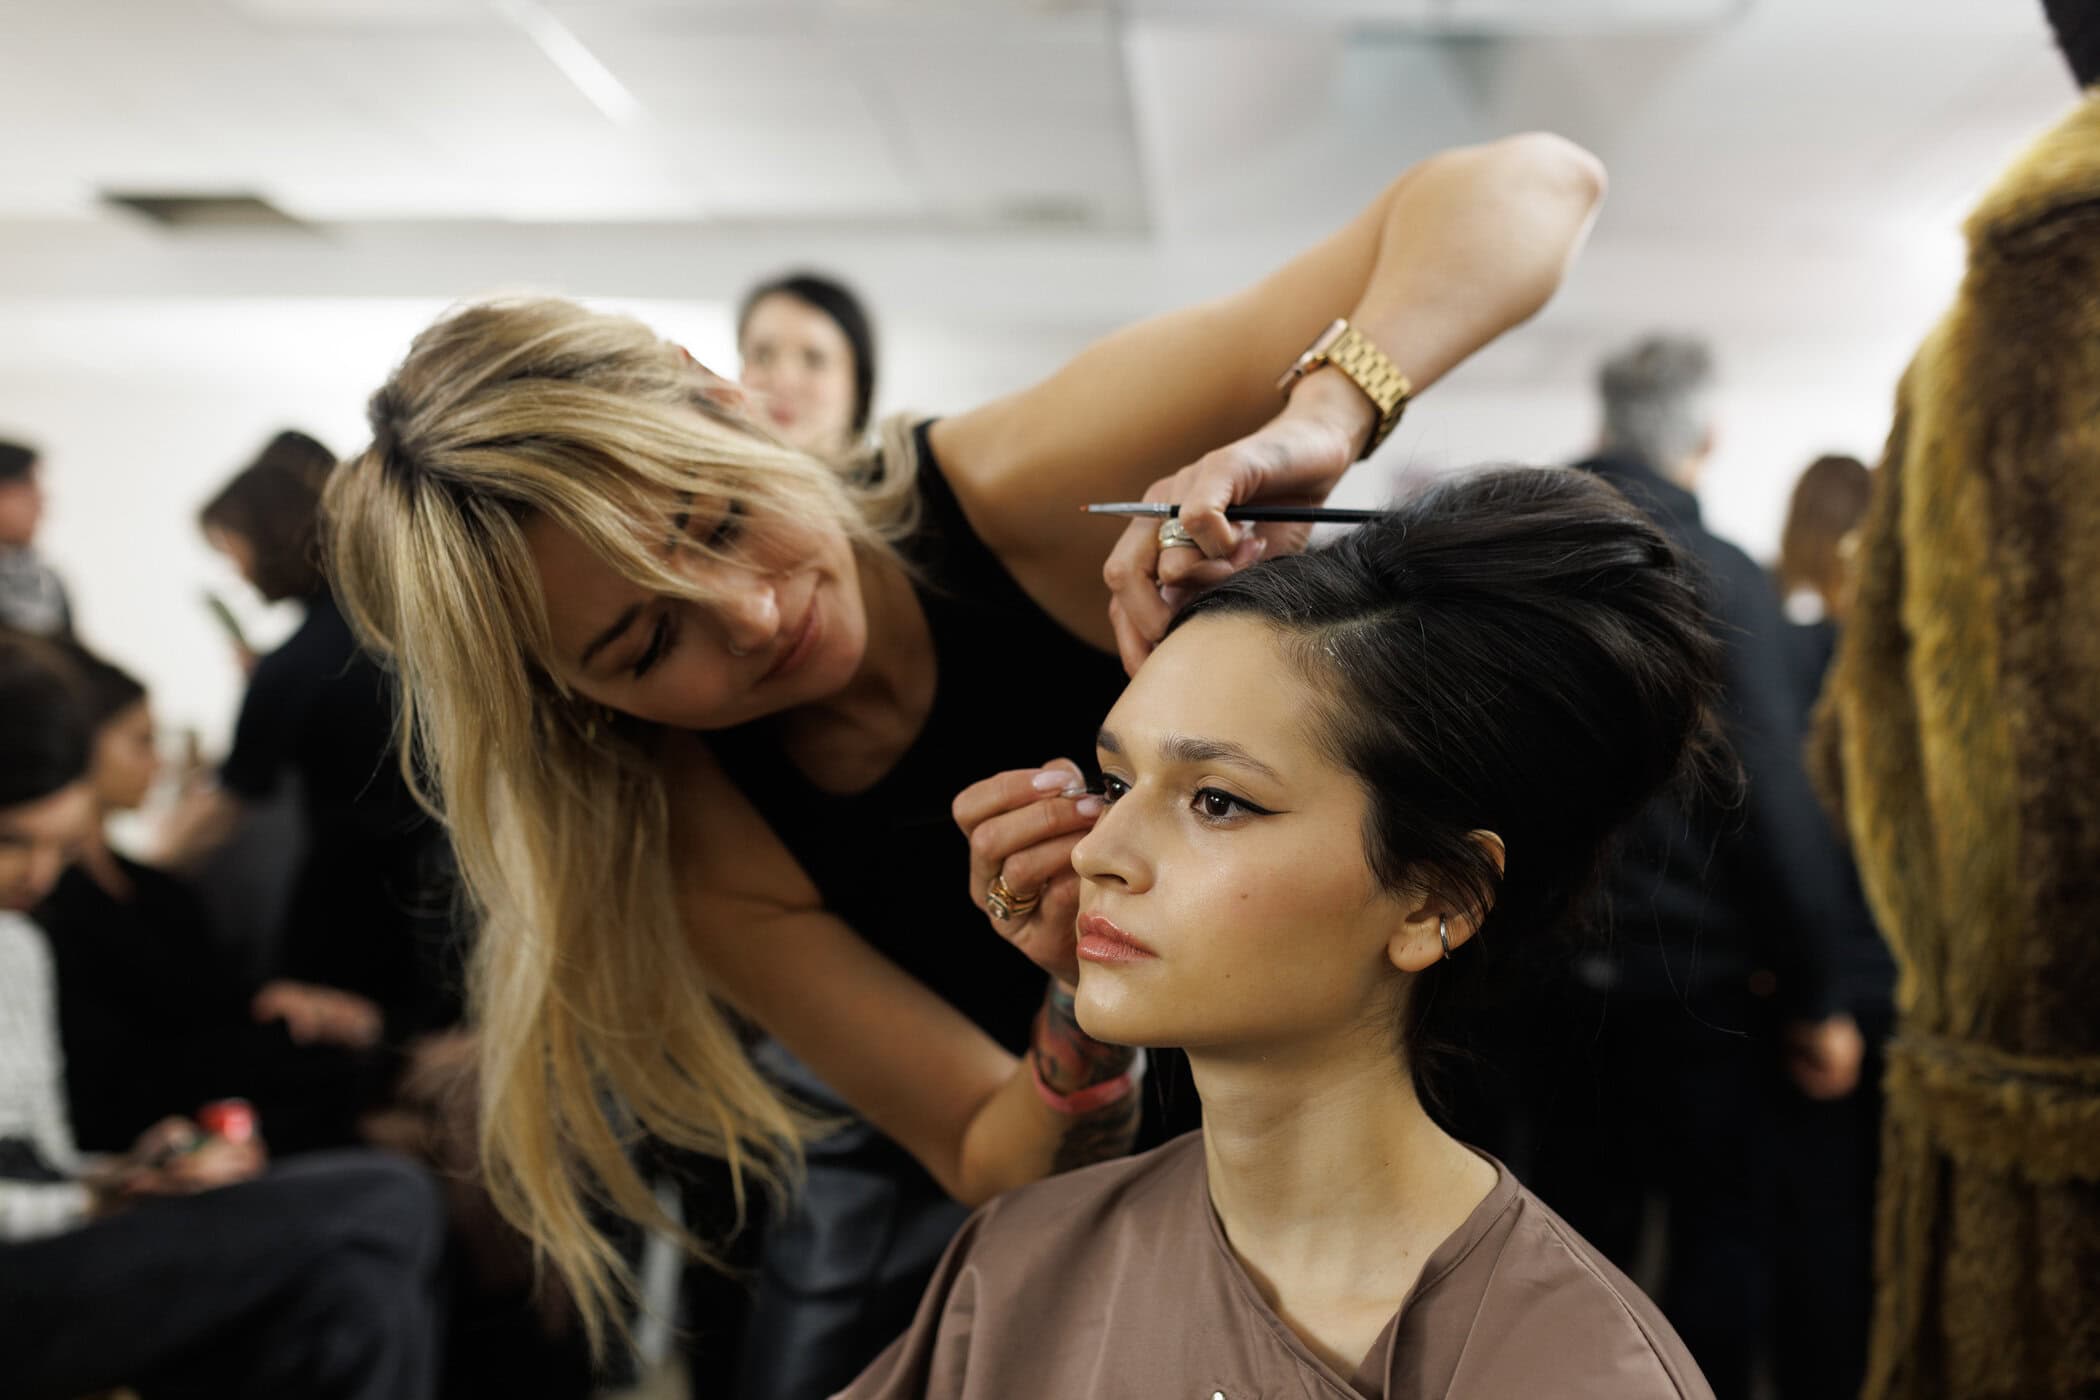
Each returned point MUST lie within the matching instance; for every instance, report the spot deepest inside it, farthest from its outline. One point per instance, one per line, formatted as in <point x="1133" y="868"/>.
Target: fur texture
<point x="1962" y="728"/>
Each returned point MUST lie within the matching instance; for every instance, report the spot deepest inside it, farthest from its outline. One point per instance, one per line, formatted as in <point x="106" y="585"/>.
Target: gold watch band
<point x="1369" y="368"/>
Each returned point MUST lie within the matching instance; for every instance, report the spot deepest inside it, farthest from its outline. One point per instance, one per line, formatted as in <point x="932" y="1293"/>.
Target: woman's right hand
<point x="1022" y="828"/>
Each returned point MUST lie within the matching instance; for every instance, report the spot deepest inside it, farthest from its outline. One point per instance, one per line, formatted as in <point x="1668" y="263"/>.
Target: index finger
<point x="1003" y="792"/>
<point x="1213" y="484"/>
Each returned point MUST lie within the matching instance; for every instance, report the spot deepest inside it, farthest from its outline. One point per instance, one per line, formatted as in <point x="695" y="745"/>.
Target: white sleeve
<point x="32" y="1209"/>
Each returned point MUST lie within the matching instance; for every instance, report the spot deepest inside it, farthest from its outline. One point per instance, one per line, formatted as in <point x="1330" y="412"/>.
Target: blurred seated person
<point x="183" y="1267"/>
<point x="153" y="1016"/>
<point x="32" y="599"/>
<point x="807" y="352"/>
<point x="368" y="907"/>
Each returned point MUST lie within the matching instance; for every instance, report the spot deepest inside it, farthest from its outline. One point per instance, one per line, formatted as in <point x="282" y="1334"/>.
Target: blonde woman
<point x="694" y="704"/>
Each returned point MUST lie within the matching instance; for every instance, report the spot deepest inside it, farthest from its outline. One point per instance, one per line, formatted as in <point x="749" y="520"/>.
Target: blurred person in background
<point x="181" y="1267"/>
<point x="367" y="913"/>
<point x="1959" y="733"/>
<point x="32" y="599"/>
<point x="807" y="351"/>
<point x="1829" y="1149"/>
<point x="697" y="705"/>
<point x="154" y="1017"/>
<point x="1652" y="1079"/>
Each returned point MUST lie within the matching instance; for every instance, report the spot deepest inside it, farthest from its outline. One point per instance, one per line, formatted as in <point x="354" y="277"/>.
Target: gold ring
<point x="1175" y="535"/>
<point x="1003" y="904"/>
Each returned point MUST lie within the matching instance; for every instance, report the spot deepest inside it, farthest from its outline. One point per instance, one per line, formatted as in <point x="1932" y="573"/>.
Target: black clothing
<point x="1860" y="957"/>
<point x="1828" y="1155"/>
<point x="1702" y="897"/>
<point x="1647" y="1069"/>
<point x="1640" y="1098"/>
<point x="154" y="1022"/>
<point x="368" y="911"/>
<point x="1014" y="690"/>
<point x="840" y="1277"/>
<point x="318" y="1279"/>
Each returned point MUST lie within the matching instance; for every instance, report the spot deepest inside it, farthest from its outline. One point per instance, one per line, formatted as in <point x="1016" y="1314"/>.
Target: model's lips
<point x="805" y="641"/>
<point x="1102" y="942"/>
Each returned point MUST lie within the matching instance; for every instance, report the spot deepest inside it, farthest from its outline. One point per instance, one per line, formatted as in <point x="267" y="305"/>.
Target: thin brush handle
<point x="1304" y="515"/>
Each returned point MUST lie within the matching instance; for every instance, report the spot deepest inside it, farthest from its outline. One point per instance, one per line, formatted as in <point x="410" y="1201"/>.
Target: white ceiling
<point x="1048" y="164"/>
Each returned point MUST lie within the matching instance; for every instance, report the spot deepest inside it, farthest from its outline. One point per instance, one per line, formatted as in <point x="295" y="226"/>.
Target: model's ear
<point x="1435" y="925"/>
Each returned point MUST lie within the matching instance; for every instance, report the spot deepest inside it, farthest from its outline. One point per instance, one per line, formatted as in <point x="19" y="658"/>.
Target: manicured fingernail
<point x="1051" y="780"/>
<point x="1075" y="789"/>
<point x="1088" y="806"/>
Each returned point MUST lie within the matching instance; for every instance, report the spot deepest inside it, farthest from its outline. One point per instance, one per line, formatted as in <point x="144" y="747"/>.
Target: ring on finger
<point x="1004" y="903"/>
<point x="1175" y="535"/>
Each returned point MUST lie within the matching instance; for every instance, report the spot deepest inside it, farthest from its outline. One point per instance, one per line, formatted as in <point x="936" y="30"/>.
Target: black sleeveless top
<point x="1013" y="689"/>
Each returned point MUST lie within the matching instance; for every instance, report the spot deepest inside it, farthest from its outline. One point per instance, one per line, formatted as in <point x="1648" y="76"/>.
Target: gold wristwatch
<point x="1350" y="351"/>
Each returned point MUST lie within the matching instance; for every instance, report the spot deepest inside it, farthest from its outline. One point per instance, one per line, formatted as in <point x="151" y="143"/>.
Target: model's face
<point x="127" y="759"/>
<point x="39" y="839"/>
<point x="1232" y="854"/>
<point x="786" y="625"/>
<point x="800" y="366"/>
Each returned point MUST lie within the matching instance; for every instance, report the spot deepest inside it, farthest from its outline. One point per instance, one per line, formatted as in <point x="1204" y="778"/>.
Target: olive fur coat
<point x="1961" y="733"/>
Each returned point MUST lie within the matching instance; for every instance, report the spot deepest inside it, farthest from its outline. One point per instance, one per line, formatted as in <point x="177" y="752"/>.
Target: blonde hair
<point x="596" y="1024"/>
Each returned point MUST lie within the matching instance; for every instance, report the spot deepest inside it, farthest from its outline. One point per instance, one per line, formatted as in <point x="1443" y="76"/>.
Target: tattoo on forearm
<point x="1066" y="1057"/>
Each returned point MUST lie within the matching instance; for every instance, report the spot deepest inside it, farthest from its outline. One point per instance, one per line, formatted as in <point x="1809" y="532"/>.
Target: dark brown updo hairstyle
<point x="1516" y="650"/>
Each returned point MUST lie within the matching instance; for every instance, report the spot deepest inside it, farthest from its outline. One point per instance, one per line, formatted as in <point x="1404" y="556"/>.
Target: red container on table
<point x="231" y="1119"/>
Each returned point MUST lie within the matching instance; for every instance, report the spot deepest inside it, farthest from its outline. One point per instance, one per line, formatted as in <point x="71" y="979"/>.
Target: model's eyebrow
<point x="1189" y="748"/>
<point x="610" y="635"/>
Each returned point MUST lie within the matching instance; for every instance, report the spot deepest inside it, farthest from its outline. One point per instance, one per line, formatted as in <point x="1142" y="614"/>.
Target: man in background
<point x="32" y="599"/>
<point x="1719" y="960"/>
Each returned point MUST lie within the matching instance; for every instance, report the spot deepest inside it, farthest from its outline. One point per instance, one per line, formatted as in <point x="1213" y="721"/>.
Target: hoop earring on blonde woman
<point x="1443" y="934"/>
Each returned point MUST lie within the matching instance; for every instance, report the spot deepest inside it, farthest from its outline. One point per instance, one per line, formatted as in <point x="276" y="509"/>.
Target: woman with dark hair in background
<point x="154" y="1017"/>
<point x="1349" y="797"/>
<point x="181" y="1267"/>
<point x="364" y="915"/>
<point x="808" y="354"/>
<point x="1828" y="1152"/>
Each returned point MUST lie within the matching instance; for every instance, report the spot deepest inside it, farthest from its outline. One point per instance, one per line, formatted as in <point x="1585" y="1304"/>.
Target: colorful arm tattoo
<point x="1066" y="1060"/>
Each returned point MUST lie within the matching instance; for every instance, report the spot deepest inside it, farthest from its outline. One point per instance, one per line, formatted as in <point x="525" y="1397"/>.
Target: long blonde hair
<point x="596" y="1024"/>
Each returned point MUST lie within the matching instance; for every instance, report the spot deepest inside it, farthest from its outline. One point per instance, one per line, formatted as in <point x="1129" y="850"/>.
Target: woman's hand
<point x="320" y="1015"/>
<point x="1293" y="459"/>
<point x="1022" y="826"/>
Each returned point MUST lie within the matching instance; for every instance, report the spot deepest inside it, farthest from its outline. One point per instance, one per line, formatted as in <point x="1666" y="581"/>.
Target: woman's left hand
<point x="1293" y="459"/>
<point x="1022" y="830"/>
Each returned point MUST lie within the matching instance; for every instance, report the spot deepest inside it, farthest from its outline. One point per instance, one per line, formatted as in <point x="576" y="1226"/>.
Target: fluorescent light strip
<point x="576" y="62"/>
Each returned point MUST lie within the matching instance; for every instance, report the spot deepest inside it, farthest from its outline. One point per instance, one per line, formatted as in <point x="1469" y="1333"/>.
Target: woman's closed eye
<point x="659" y="645"/>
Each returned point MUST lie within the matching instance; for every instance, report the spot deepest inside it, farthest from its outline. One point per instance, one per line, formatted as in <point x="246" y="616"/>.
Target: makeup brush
<point x="1307" y="515"/>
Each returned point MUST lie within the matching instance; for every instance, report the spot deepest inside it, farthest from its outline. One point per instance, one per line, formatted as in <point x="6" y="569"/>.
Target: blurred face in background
<point x="21" y="509"/>
<point x="39" y="839"/>
<point x="126" y="761"/>
<point x="799" y="365"/>
<point x="236" y="548"/>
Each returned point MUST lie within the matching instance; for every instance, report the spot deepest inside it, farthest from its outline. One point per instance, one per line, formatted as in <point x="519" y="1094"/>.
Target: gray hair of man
<point x="1658" y="402"/>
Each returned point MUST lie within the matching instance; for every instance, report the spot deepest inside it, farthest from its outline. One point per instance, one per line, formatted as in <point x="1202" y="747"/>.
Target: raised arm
<point x="906" y="1060"/>
<point x="1460" y="248"/>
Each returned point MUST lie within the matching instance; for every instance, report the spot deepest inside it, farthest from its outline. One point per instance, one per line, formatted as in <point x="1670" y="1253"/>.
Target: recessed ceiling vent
<point x="188" y="211"/>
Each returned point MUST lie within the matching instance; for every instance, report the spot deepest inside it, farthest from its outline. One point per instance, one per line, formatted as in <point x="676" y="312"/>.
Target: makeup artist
<point x="695" y="705"/>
